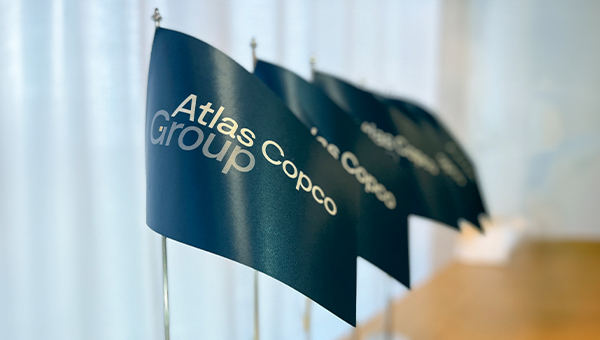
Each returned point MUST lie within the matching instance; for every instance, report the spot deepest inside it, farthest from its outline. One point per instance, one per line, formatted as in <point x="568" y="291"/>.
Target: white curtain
<point x="76" y="258"/>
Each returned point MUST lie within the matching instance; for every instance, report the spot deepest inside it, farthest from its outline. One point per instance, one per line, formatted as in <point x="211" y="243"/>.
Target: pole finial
<point x="156" y="17"/>
<point x="253" y="44"/>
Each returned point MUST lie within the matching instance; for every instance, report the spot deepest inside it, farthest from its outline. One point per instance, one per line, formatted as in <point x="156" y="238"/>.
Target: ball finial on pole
<point x="313" y="61"/>
<point x="156" y="17"/>
<point x="253" y="44"/>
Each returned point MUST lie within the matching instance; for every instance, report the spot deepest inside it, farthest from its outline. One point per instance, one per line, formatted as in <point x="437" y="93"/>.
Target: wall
<point x="534" y="118"/>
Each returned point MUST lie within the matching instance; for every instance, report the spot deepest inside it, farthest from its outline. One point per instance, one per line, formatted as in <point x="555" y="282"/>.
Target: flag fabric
<point x="232" y="171"/>
<point x="426" y="133"/>
<point x="387" y="189"/>
<point x="376" y="121"/>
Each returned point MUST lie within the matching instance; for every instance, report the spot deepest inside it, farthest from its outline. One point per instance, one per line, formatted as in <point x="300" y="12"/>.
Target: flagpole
<point x="254" y="59"/>
<point x="307" y="307"/>
<point x="307" y="324"/>
<point x="307" y="318"/>
<point x="165" y="288"/>
<point x="256" y="311"/>
<point x="388" y="320"/>
<point x="253" y="45"/>
<point x="156" y="17"/>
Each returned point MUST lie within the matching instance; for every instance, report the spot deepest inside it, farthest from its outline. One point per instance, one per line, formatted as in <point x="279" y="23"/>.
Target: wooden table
<point x="549" y="290"/>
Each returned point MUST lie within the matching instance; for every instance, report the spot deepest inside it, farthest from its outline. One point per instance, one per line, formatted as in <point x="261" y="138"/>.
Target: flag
<point x="232" y="171"/>
<point x="376" y="122"/>
<point x="387" y="189"/>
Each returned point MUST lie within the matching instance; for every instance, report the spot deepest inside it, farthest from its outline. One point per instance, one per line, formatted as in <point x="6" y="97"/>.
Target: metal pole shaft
<point x="254" y="58"/>
<point x="313" y="62"/>
<point x="307" y="318"/>
<point x="388" y="320"/>
<point x="354" y="335"/>
<point x="156" y="17"/>
<point x="165" y="288"/>
<point x="256" y="311"/>
<point x="253" y="45"/>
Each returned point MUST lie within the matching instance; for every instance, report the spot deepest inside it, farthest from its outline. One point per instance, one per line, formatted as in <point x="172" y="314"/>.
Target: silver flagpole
<point x="308" y="304"/>
<point x="165" y="288"/>
<point x="388" y="321"/>
<point x="256" y="310"/>
<point x="157" y="18"/>
<point x="254" y="59"/>
<point x="307" y="318"/>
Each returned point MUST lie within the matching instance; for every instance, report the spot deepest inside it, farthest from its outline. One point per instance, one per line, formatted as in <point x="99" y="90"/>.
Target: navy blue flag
<point x="388" y="193"/>
<point x="378" y="124"/>
<point x="426" y="133"/>
<point x="232" y="171"/>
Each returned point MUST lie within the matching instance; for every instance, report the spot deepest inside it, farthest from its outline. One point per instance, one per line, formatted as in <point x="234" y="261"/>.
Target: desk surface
<point x="549" y="290"/>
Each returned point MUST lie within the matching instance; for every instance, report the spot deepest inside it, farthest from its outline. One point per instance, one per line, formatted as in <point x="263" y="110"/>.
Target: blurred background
<point x="517" y="82"/>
